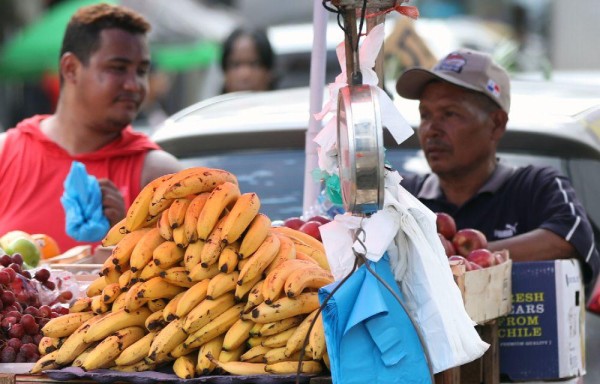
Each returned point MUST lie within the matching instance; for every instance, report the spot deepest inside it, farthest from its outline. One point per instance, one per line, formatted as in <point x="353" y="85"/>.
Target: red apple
<point x="482" y="257"/>
<point x="448" y="247"/>
<point x="445" y="225"/>
<point x="321" y="219"/>
<point x="467" y="240"/>
<point x="293" y="222"/>
<point x="501" y="256"/>
<point x="312" y="228"/>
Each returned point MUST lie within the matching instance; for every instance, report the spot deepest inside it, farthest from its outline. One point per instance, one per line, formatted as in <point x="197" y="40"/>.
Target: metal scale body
<point x="359" y="127"/>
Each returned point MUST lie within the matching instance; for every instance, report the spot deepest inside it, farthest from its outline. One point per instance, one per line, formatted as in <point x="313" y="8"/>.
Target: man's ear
<point x="499" y="119"/>
<point x="69" y="65"/>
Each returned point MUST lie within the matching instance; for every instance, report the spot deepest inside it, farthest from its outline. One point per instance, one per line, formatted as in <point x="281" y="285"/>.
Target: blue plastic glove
<point x="82" y="201"/>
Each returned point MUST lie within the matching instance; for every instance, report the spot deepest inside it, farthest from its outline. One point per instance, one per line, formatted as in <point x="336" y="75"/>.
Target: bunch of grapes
<point x="21" y="315"/>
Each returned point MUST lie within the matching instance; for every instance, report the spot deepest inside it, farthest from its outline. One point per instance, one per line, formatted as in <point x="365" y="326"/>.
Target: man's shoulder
<point x="536" y="173"/>
<point x="413" y="182"/>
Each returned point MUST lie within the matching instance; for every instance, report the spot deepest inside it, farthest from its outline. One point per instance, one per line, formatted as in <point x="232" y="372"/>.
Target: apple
<point x="482" y="257"/>
<point x="293" y="222"/>
<point x="501" y="256"/>
<point x="321" y="219"/>
<point x="468" y="239"/>
<point x="312" y="228"/>
<point x="471" y="266"/>
<point x="447" y="244"/>
<point x="445" y="225"/>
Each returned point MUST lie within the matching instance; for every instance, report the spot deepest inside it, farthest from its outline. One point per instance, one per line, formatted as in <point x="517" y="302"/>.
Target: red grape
<point x="4" y="277"/>
<point x="17" y="331"/>
<point x="50" y="285"/>
<point x="33" y="311"/>
<point x="14" y="343"/>
<point x="26" y="339"/>
<point x="7" y="323"/>
<point x="8" y="355"/>
<point x="36" y="338"/>
<point x="29" y="324"/>
<point x="11" y="272"/>
<point x="5" y="260"/>
<point x="26" y="274"/>
<point x="45" y="311"/>
<point x="8" y="297"/>
<point x="17" y="258"/>
<point x="15" y="314"/>
<point x="15" y="267"/>
<point x="42" y="275"/>
<point x="28" y="349"/>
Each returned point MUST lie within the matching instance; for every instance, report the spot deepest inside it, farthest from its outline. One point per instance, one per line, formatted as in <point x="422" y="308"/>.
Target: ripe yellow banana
<point x="78" y="361"/>
<point x="305" y="257"/>
<point x="150" y="271"/>
<point x="296" y="341"/>
<point x="298" y="281"/>
<point x="326" y="361"/>
<point x="157" y="304"/>
<point x="119" y="302"/>
<point x="284" y="308"/>
<point x="221" y="284"/>
<point x="180" y="350"/>
<point x="156" y="321"/>
<point x="185" y="366"/>
<point x="301" y="237"/>
<point x="164" y="228"/>
<point x="177" y="276"/>
<point x="74" y="345"/>
<point x="176" y="212"/>
<point x="290" y="367"/>
<point x="278" y="340"/>
<point x="287" y="251"/>
<point x="115" y="234"/>
<point x="260" y="259"/>
<point x="276" y="355"/>
<point x="275" y="281"/>
<point x="110" y="293"/>
<point x="138" y="213"/>
<point x="191" y="298"/>
<point x="169" y="310"/>
<point x="213" y="246"/>
<point x="98" y="306"/>
<point x="255" y="331"/>
<point x="122" y="251"/>
<point x="255" y="354"/>
<point x="222" y="196"/>
<point x="160" y="202"/>
<point x="235" y="355"/>
<point x="45" y="363"/>
<point x="255" y="235"/>
<point x="199" y="273"/>
<point x="142" y="253"/>
<point x="96" y="286"/>
<point x="140" y="366"/>
<point x="241" y="215"/>
<point x="191" y="257"/>
<point x="240" y="368"/>
<point x="49" y="344"/>
<point x="114" y="321"/>
<point x="316" y="254"/>
<point x="167" y="255"/>
<point x="179" y="237"/>
<point x="127" y="279"/>
<point x="132" y="300"/>
<point x="228" y="259"/>
<point x="111" y="347"/>
<point x="197" y="180"/>
<point x="190" y="223"/>
<point x="158" y="288"/>
<point x="65" y="325"/>
<point x="270" y="329"/>
<point x="137" y="351"/>
<point x="206" y="311"/>
<point x="166" y="340"/>
<point x="213" y="348"/>
<point x="112" y="271"/>
<point x="81" y="304"/>
<point x="316" y="339"/>
<point x="255" y="297"/>
<point x="215" y="328"/>
<point x="255" y="341"/>
<point x="237" y="334"/>
<point x="241" y="291"/>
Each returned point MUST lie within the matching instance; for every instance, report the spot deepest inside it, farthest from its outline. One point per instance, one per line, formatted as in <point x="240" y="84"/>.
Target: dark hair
<point x="82" y="36"/>
<point x="263" y="46"/>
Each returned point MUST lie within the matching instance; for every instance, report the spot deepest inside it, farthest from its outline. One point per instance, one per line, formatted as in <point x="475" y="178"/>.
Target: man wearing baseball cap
<point x="531" y="211"/>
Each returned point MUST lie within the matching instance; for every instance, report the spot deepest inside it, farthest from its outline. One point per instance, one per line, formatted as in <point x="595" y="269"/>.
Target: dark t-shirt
<point x="514" y="201"/>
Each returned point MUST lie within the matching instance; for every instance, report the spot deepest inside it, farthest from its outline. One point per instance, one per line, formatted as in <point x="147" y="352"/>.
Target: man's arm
<point x="536" y="245"/>
<point x="159" y="163"/>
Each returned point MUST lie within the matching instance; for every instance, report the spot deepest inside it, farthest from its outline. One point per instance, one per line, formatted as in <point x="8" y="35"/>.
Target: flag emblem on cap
<point x="493" y="88"/>
<point x="454" y="62"/>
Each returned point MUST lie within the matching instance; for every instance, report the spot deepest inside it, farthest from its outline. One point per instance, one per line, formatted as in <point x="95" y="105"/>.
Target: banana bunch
<point x="200" y="280"/>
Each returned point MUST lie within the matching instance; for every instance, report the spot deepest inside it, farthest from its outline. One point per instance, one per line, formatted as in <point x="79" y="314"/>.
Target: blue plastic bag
<point x="82" y="202"/>
<point x="370" y="339"/>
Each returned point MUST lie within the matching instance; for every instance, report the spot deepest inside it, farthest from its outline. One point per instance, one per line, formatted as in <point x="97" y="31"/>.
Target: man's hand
<point x="113" y="203"/>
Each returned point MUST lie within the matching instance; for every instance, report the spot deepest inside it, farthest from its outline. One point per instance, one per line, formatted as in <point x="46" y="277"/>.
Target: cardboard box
<point x="543" y="337"/>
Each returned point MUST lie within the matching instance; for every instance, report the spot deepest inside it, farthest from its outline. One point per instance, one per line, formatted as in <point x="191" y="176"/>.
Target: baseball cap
<point x="465" y="68"/>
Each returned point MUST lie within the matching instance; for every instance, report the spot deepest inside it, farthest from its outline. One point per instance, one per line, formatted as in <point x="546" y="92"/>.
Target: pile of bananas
<point x="199" y="279"/>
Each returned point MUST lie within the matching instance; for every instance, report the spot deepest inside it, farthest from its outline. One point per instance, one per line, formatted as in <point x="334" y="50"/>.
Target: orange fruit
<point x="47" y="245"/>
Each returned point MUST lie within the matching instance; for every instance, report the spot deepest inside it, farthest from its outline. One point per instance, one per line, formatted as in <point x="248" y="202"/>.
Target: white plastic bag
<point x="426" y="281"/>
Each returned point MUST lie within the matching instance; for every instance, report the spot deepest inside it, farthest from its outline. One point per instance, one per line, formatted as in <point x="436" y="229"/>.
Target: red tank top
<point x="33" y="169"/>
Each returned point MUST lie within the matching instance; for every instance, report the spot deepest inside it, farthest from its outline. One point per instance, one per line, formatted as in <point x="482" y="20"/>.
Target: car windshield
<point x="277" y="176"/>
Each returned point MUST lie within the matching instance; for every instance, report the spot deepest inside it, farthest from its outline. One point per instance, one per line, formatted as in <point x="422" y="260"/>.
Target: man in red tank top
<point x="104" y="66"/>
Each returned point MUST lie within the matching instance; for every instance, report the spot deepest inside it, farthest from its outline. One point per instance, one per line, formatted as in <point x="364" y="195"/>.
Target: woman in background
<point x="248" y="62"/>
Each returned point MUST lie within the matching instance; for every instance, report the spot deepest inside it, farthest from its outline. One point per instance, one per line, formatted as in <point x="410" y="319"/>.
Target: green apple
<point x="28" y="250"/>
